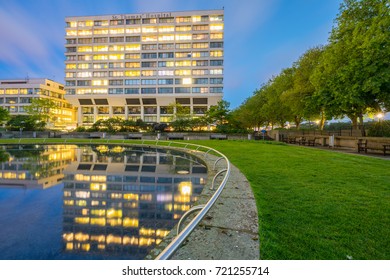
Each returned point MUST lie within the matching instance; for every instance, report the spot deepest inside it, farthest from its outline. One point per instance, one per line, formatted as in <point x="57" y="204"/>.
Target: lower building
<point x="17" y="94"/>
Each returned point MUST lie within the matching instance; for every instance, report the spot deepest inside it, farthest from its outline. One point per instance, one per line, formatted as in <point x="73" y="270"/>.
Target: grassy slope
<point x="315" y="204"/>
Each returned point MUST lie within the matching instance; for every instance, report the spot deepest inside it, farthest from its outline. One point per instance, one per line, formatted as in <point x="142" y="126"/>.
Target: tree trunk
<point x="297" y="121"/>
<point x="354" y="122"/>
<point x="362" y="125"/>
<point x="323" y="119"/>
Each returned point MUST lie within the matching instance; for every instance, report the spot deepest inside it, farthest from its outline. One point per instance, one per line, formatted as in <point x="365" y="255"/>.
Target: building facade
<point x="17" y="94"/>
<point x="136" y="66"/>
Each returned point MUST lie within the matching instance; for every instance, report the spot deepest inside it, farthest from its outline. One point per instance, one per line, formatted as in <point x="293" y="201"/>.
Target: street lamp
<point x="21" y="128"/>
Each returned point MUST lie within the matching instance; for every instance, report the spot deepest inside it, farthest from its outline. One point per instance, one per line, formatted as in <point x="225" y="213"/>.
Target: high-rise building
<point x="136" y="66"/>
<point x="17" y="94"/>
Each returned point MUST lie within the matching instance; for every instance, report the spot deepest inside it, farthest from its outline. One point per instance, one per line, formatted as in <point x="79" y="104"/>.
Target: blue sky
<point x="261" y="36"/>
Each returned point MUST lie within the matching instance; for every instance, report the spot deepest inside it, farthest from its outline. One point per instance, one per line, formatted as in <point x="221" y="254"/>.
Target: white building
<point x="134" y="66"/>
<point x="17" y="94"/>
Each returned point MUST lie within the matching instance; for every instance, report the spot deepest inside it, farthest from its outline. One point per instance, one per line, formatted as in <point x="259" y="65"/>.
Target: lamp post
<point x="21" y="128"/>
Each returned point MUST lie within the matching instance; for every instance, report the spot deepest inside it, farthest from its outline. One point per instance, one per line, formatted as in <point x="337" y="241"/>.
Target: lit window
<point x="166" y="29"/>
<point x="100" y="31"/>
<point x="181" y="37"/>
<point x="216" y="27"/>
<point x="216" y="53"/>
<point x="166" y="37"/>
<point x="133" y="73"/>
<point x="133" y="30"/>
<point x="149" y="38"/>
<point x="133" y="47"/>
<point x="149" y="29"/>
<point x="117" y="30"/>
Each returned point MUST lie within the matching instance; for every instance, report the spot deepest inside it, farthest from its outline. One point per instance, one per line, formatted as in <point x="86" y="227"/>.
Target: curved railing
<point x="203" y="209"/>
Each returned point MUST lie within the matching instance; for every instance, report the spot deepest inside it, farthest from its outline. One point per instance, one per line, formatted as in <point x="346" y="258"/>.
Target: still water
<point x="92" y="202"/>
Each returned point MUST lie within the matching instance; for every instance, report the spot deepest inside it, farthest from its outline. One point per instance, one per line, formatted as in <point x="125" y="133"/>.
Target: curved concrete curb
<point x="230" y="229"/>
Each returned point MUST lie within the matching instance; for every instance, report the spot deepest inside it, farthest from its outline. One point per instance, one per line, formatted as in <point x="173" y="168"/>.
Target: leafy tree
<point x="299" y="97"/>
<point x="4" y="115"/>
<point x="218" y="114"/>
<point x="42" y="109"/>
<point x="26" y="123"/>
<point x="354" y="73"/>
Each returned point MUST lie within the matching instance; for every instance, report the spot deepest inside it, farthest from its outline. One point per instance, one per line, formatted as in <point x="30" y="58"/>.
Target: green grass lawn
<point x="312" y="204"/>
<point x="315" y="204"/>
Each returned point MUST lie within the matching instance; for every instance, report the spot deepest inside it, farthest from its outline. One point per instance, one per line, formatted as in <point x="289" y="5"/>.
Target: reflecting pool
<point x="92" y="202"/>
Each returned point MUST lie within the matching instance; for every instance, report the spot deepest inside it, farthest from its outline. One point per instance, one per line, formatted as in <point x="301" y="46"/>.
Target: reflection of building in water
<point x="35" y="166"/>
<point x="124" y="201"/>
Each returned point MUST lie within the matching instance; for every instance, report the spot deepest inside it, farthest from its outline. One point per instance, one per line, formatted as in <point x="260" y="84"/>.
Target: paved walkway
<point x="229" y="231"/>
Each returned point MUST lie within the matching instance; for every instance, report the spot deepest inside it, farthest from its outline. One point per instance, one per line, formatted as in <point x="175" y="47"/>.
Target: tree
<point x="218" y="114"/>
<point x="299" y="97"/>
<point x="354" y="73"/>
<point x="26" y="123"/>
<point x="42" y="109"/>
<point x="4" y="115"/>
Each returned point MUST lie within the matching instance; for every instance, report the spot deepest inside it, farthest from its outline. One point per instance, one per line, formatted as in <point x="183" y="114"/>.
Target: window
<point x="133" y="73"/>
<point x="166" y="37"/>
<point x="165" y="73"/>
<point x="200" y="54"/>
<point x="118" y="110"/>
<point x="149" y="20"/>
<point x="71" y="49"/>
<point x="116" y="82"/>
<point x="216" y="90"/>
<point x="201" y="27"/>
<point x="166" y="29"/>
<point x="216" y="27"/>
<point x="100" y="74"/>
<point x="133" y="47"/>
<point x="148" y="73"/>
<point x="134" y="110"/>
<point x="101" y="23"/>
<point x="201" y="81"/>
<point x="166" y="55"/>
<point x="148" y="82"/>
<point x="100" y="57"/>
<point x="151" y="38"/>
<point x="100" y="82"/>
<point x="149" y="64"/>
<point x="132" y="65"/>
<point x="200" y="63"/>
<point x="103" y="110"/>
<point x="150" y="110"/>
<point x="133" y="21"/>
<point x="100" y="40"/>
<point x="84" y="74"/>
<point x="216" y="80"/>
<point x="183" y="37"/>
<point x="84" y="49"/>
<point x="87" y="110"/>
<point x="216" y="53"/>
<point x="115" y="91"/>
<point x="148" y="90"/>
<point x="116" y="22"/>
<point x="182" y="90"/>
<point x="166" y="64"/>
<point x="166" y="46"/>
<point x="117" y="31"/>
<point x="203" y="36"/>
<point x="133" y="38"/>
<point x="116" y="65"/>
<point x="114" y="48"/>
<point x="183" y="63"/>
<point x="149" y="47"/>
<point x="149" y="29"/>
<point x="83" y="83"/>
<point x="71" y="41"/>
<point x="100" y="31"/>
<point x="131" y="91"/>
<point x="133" y="30"/>
<point x="183" y="72"/>
<point x="165" y="81"/>
<point x="183" y="46"/>
<point x="71" y="57"/>
<point x="132" y="82"/>
<point x="166" y="20"/>
<point x="216" y="71"/>
<point x="183" y="19"/>
<point x="84" y="66"/>
<point x="200" y="72"/>
<point x="116" y="73"/>
<point x="200" y="45"/>
<point x="132" y="56"/>
<point x="85" y="41"/>
<point x="200" y="90"/>
<point x="116" y="39"/>
<point x="216" y="45"/>
<point x="149" y="55"/>
<point x="216" y="62"/>
<point x="216" y="18"/>
<point x="165" y="90"/>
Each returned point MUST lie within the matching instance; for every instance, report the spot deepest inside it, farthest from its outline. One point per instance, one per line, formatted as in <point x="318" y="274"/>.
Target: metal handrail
<point x="180" y="238"/>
